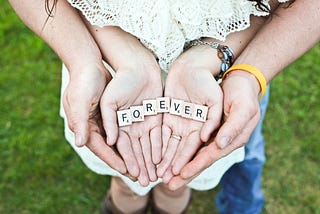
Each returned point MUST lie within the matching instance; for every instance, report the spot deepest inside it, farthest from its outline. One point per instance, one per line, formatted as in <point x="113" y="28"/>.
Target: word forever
<point x="162" y="105"/>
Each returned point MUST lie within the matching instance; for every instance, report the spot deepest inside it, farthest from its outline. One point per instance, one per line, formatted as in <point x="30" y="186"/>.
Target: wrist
<point x="254" y="83"/>
<point x="89" y="66"/>
<point x="224" y="56"/>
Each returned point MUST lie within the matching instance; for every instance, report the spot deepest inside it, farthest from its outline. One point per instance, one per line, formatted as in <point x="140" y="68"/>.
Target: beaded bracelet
<point x="225" y="54"/>
<point x="252" y="70"/>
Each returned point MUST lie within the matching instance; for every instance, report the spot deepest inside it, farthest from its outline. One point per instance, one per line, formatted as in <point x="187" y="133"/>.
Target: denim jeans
<point x="241" y="191"/>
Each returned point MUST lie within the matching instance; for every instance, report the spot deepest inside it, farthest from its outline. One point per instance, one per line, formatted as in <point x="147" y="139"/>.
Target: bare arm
<point x="69" y="38"/>
<point x="280" y="41"/>
<point x="290" y="33"/>
<point x="65" y="32"/>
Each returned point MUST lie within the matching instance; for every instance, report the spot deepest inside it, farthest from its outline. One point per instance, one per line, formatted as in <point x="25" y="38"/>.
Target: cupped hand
<point x="190" y="79"/>
<point x="81" y="104"/>
<point x="137" y="78"/>
<point x="139" y="143"/>
<point x="241" y="115"/>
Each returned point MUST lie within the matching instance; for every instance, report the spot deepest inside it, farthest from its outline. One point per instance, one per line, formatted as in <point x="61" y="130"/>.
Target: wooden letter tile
<point x="163" y="104"/>
<point x="149" y="107"/>
<point x="176" y="107"/>
<point x="200" y="113"/>
<point x="124" y="117"/>
<point x="187" y="110"/>
<point x="137" y="113"/>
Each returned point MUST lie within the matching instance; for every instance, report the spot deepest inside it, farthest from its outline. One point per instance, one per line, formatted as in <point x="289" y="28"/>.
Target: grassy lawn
<point x="39" y="172"/>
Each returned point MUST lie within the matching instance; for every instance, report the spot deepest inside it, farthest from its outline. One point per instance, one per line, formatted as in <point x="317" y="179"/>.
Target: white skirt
<point x="208" y="179"/>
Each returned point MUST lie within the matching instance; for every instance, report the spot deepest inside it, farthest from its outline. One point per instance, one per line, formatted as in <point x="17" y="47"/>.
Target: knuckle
<point x="236" y="130"/>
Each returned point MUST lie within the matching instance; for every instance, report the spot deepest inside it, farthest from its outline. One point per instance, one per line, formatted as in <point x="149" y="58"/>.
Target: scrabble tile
<point x="176" y="107"/>
<point x="200" y="113"/>
<point x="163" y="104"/>
<point x="149" y="107"/>
<point x="187" y="110"/>
<point x="124" y="117"/>
<point x="137" y="113"/>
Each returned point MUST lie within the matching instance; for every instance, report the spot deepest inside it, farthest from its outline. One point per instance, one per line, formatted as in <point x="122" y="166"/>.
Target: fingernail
<point x="173" y="186"/>
<point x="79" y="141"/>
<point x="224" y="142"/>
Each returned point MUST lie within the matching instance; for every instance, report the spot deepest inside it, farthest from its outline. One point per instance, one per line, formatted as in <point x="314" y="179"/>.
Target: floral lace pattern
<point x="165" y="26"/>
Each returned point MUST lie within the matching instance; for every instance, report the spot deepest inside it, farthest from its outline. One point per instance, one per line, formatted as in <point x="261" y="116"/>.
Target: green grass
<point x="39" y="172"/>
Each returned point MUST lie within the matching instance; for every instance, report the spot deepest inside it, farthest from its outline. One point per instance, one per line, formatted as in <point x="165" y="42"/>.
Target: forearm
<point x="289" y="34"/>
<point x="65" y="32"/>
<point x="204" y="56"/>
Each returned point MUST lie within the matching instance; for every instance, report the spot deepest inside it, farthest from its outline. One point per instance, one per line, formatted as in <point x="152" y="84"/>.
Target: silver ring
<point x="177" y="137"/>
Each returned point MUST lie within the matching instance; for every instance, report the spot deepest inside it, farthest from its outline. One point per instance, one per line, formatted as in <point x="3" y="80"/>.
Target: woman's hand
<point x="139" y="143"/>
<point x="190" y="79"/>
<point x="137" y="78"/>
<point x="241" y="115"/>
<point x="81" y="104"/>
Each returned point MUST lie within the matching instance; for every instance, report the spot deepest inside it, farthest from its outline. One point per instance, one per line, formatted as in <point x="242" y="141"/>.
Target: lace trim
<point x="165" y="26"/>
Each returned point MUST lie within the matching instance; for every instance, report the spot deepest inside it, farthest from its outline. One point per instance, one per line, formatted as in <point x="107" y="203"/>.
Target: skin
<point x="236" y="100"/>
<point x="137" y="78"/>
<point x="191" y="78"/>
<point x="88" y="76"/>
<point x="240" y="89"/>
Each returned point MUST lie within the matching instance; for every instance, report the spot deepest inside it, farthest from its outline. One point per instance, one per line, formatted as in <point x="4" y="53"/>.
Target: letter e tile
<point x="163" y="104"/>
<point x="187" y="110"/>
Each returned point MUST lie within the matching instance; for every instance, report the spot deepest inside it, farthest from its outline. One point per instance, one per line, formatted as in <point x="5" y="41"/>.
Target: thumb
<point x="212" y="123"/>
<point x="233" y="127"/>
<point x="77" y="112"/>
<point x="109" y="118"/>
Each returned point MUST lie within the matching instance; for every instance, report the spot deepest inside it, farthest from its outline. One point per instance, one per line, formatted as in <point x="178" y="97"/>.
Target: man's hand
<point x="241" y="115"/>
<point x="81" y="104"/>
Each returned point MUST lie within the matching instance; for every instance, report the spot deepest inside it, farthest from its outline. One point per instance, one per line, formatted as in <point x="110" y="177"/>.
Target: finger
<point x="177" y="182"/>
<point x="126" y="152"/>
<point x="167" y="175"/>
<point x="188" y="150"/>
<point x="143" y="177"/>
<point x="166" y="133"/>
<point x="134" y="179"/>
<point x="212" y="122"/>
<point x="233" y="126"/>
<point x="168" y="156"/>
<point x="211" y="153"/>
<point x="97" y="145"/>
<point x="156" y="144"/>
<point x="109" y="118"/>
<point x="204" y="158"/>
<point x="145" y="145"/>
<point x="77" y="112"/>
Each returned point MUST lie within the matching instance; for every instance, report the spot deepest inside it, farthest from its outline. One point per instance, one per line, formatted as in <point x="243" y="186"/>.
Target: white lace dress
<point x="165" y="26"/>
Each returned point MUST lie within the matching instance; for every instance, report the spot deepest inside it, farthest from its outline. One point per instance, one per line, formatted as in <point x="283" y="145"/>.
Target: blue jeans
<point x="241" y="191"/>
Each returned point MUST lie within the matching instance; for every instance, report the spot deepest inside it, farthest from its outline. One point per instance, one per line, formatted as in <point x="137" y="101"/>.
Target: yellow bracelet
<point x="254" y="71"/>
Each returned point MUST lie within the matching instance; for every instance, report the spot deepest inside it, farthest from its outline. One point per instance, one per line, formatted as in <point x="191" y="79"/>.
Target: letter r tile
<point x="149" y="107"/>
<point x="124" y="117"/>
<point x="200" y="113"/>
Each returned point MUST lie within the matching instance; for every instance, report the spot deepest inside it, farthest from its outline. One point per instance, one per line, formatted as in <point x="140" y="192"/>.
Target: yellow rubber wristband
<point x="254" y="71"/>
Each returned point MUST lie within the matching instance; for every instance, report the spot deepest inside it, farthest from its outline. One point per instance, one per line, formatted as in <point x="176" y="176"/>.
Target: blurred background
<point x="40" y="173"/>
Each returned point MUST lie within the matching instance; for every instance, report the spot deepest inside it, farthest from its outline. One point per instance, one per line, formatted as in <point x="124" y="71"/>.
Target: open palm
<point x="194" y="85"/>
<point x="139" y="144"/>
